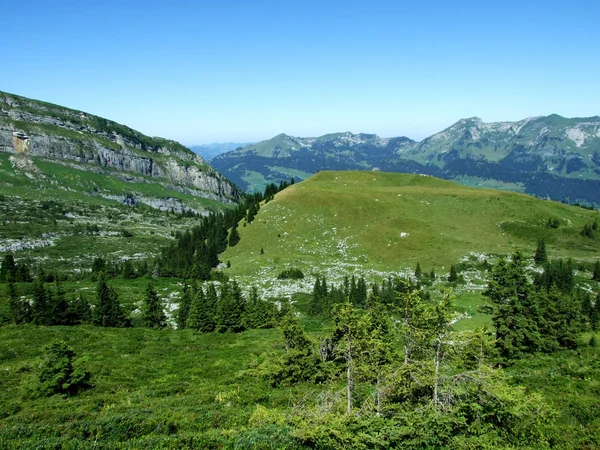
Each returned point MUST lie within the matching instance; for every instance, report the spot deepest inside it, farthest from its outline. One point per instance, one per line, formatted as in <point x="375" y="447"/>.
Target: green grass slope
<point x="47" y="216"/>
<point x="386" y="221"/>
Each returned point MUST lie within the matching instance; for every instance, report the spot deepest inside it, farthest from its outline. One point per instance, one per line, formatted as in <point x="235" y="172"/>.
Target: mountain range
<point x="550" y="156"/>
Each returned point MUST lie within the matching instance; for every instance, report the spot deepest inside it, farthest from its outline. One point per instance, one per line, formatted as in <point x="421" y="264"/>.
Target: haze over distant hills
<point x="209" y="151"/>
<point x="549" y="156"/>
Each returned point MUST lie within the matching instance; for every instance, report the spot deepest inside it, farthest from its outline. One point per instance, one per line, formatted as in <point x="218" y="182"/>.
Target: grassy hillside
<point x="178" y="389"/>
<point x="388" y="222"/>
<point x="63" y="217"/>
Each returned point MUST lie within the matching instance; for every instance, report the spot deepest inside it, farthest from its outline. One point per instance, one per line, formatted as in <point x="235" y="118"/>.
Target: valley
<point x="146" y="302"/>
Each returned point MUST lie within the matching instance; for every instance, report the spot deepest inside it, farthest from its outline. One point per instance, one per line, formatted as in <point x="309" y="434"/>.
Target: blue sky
<point x="201" y="72"/>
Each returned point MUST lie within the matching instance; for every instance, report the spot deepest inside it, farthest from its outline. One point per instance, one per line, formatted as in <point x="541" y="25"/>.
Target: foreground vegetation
<point x="344" y="375"/>
<point x="180" y="349"/>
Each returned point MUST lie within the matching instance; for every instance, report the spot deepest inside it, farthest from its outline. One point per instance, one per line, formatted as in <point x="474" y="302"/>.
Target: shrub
<point x="290" y="274"/>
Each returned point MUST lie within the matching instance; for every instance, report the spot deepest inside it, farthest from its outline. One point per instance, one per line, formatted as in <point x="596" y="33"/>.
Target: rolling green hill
<point x="381" y="222"/>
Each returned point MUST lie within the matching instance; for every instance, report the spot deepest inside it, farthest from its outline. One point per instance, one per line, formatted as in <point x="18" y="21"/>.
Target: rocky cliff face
<point x="31" y="128"/>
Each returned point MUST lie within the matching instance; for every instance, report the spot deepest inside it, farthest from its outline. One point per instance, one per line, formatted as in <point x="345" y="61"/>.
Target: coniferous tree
<point x="540" y="256"/>
<point x="127" y="270"/>
<point x="41" y="308"/>
<point x="108" y="311"/>
<point x="234" y="236"/>
<point x="8" y="271"/>
<point x="153" y="314"/>
<point x="596" y="272"/>
<point x="230" y="309"/>
<point x="595" y="314"/>
<point x="418" y="272"/>
<point x="453" y="276"/>
<point x="19" y="309"/>
<point x="79" y="311"/>
<point x="258" y="313"/>
<point x="184" y="307"/>
<point x="319" y="302"/>
<point x="202" y="313"/>
<point x="60" y="307"/>
<point x="212" y="298"/>
<point x="299" y="362"/>
<point x="509" y="290"/>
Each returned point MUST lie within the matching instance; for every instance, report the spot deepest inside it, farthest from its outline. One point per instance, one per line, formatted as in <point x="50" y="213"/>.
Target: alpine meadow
<point x="147" y="302"/>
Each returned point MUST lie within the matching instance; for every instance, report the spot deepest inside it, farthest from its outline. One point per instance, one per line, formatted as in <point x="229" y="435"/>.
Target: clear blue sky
<point x="202" y="72"/>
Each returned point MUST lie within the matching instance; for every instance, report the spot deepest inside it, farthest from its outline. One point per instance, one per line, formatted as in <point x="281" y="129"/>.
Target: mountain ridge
<point x="532" y="155"/>
<point x="31" y="128"/>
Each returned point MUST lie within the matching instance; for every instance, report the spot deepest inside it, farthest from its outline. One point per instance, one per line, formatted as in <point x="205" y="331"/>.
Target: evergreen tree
<point x="509" y="290"/>
<point x="41" y="308"/>
<point x="259" y="313"/>
<point x="8" y="271"/>
<point x="153" y="314"/>
<point x="19" y="309"/>
<point x="230" y="310"/>
<point x="59" y="374"/>
<point x="127" y="270"/>
<point x="79" y="311"/>
<point x="418" y="272"/>
<point x="540" y="255"/>
<point x="184" y="308"/>
<point x="595" y="315"/>
<point x="202" y="313"/>
<point x="108" y="311"/>
<point x="299" y="362"/>
<point x="234" y="236"/>
<point x="453" y="276"/>
<point x="350" y="338"/>
<point x="432" y="274"/>
<point x="596" y="273"/>
<point x="60" y="307"/>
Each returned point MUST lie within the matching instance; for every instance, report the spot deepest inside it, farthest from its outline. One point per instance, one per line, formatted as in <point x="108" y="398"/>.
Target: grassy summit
<point x="386" y="221"/>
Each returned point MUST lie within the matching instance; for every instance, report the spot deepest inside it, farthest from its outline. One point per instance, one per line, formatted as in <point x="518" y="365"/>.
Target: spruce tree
<point x="184" y="308"/>
<point x="453" y="276"/>
<point x="202" y="314"/>
<point x="418" y="272"/>
<point x="20" y="310"/>
<point x="258" y="313"/>
<point x="41" y="308"/>
<point x="8" y="271"/>
<point x="108" y="311"/>
<point x="540" y="256"/>
<point x="595" y="314"/>
<point x="127" y="270"/>
<point x="153" y="314"/>
<point x="60" y="307"/>
<point x="79" y="311"/>
<point x="230" y="309"/>
<point x="596" y="273"/>
<point x="234" y="236"/>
